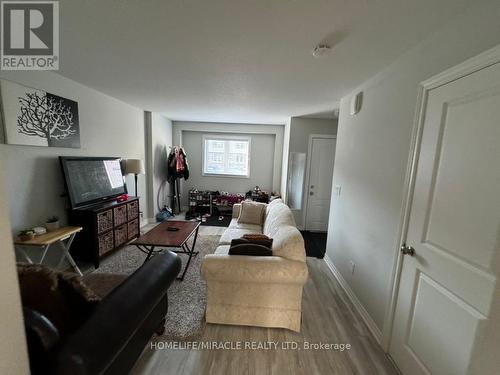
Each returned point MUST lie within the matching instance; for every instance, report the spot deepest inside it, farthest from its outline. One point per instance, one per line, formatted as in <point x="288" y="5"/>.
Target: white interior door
<point x="446" y="288"/>
<point x="319" y="189"/>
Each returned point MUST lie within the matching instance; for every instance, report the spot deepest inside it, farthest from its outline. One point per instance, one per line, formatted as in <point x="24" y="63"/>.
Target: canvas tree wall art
<point x="37" y="118"/>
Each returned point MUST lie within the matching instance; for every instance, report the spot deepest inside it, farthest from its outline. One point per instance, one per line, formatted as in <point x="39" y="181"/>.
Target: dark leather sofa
<point x="111" y="340"/>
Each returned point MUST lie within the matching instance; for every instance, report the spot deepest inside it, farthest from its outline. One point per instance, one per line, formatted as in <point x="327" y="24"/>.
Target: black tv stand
<point x="106" y="226"/>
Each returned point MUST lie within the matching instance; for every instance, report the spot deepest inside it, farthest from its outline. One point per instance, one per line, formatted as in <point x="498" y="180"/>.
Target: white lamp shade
<point x="134" y="166"/>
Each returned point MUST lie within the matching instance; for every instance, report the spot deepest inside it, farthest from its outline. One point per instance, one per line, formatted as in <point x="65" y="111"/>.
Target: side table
<point x="62" y="237"/>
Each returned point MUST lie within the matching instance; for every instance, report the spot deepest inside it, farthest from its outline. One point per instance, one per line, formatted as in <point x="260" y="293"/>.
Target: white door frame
<point x="307" y="185"/>
<point x="474" y="64"/>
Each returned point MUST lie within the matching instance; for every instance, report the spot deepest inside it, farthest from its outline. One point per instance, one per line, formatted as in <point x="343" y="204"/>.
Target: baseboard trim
<point x="376" y="332"/>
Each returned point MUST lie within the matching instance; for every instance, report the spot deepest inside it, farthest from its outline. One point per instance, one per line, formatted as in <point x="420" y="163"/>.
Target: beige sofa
<point x="264" y="291"/>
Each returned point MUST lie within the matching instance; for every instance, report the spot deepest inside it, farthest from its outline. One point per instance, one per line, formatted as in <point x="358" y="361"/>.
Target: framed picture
<point x="37" y="118"/>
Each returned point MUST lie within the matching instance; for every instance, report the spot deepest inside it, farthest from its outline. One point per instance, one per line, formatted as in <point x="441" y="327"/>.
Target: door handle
<point x="407" y="250"/>
<point x="312" y="186"/>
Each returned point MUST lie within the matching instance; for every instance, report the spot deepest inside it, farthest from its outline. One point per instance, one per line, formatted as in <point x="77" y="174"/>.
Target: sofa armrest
<point x="253" y="269"/>
<point x="236" y="210"/>
<point x="94" y="346"/>
<point x="41" y="331"/>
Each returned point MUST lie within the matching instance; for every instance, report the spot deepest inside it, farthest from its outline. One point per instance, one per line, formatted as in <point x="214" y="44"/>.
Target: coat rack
<point x="175" y="200"/>
<point x="177" y="168"/>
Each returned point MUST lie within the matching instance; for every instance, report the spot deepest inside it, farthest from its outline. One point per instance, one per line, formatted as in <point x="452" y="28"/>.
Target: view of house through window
<point x="226" y="156"/>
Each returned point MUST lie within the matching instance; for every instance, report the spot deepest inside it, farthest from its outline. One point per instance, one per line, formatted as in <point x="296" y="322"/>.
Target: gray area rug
<point x="187" y="299"/>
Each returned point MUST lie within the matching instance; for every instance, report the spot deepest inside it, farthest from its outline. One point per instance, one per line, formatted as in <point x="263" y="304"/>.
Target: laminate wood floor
<point x="328" y="318"/>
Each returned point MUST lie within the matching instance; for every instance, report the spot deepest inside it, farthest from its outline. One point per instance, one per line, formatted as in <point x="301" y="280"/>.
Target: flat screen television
<point x="90" y="180"/>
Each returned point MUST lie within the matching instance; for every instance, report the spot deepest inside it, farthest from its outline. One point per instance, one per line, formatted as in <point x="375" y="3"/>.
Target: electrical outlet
<point x="353" y="266"/>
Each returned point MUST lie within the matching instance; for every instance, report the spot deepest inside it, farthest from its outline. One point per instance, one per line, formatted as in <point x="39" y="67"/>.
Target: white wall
<point x="284" y="160"/>
<point x="108" y="127"/>
<point x="261" y="170"/>
<point x="13" y="351"/>
<point x="372" y="153"/>
<point x="225" y="184"/>
<point x="300" y="130"/>
<point x="161" y="140"/>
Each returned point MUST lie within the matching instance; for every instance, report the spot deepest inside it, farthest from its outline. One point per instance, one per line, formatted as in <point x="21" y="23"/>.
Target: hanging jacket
<point x="177" y="166"/>
<point x="179" y="162"/>
<point x="185" y="171"/>
<point x="171" y="171"/>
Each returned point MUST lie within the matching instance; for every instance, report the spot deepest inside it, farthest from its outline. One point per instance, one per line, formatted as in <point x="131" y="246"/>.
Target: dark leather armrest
<point x="38" y="327"/>
<point x="42" y="336"/>
<point x="93" y="347"/>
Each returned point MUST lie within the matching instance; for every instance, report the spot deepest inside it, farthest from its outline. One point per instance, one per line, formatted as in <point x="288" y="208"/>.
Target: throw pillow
<point x="262" y="242"/>
<point x="251" y="213"/>
<point x="255" y="236"/>
<point x="250" y="249"/>
<point x="61" y="297"/>
<point x="259" y="239"/>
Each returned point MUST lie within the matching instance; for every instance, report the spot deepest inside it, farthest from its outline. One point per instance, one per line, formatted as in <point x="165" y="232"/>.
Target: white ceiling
<point x="238" y="60"/>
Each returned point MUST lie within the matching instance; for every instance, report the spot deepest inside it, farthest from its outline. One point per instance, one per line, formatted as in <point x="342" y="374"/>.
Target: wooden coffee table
<point x="161" y="236"/>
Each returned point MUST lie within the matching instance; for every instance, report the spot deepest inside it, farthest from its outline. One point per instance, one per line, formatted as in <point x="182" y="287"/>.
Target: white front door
<point x="319" y="189"/>
<point x="446" y="287"/>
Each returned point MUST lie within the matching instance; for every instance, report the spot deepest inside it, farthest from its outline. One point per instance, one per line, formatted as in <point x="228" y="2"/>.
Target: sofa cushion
<point x="235" y="225"/>
<point x="288" y="243"/>
<point x="232" y="233"/>
<point x="252" y="212"/>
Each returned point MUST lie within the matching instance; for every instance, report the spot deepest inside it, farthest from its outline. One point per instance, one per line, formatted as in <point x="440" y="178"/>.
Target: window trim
<point x="224" y="138"/>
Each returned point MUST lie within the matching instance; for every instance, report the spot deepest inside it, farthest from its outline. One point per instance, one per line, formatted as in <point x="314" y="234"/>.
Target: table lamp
<point x="135" y="167"/>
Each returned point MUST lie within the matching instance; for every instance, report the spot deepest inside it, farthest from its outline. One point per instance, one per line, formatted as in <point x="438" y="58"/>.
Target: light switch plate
<point x="338" y="188"/>
<point x="353" y="266"/>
